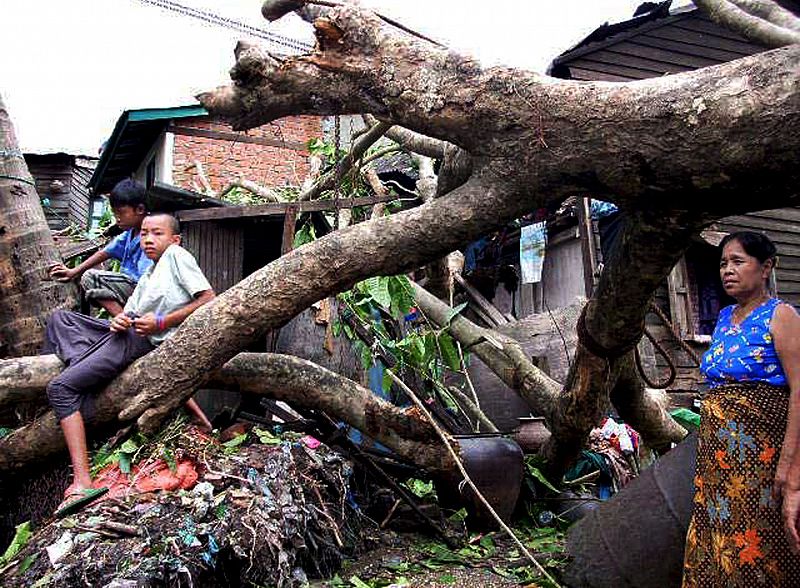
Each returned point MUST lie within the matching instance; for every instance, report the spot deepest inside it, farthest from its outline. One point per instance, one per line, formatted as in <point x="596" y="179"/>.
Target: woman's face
<point x="742" y="275"/>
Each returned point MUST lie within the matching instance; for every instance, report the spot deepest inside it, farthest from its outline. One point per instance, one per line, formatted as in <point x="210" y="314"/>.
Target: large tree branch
<point x="500" y="353"/>
<point x="272" y="295"/>
<point x="735" y="15"/>
<point x="770" y="11"/>
<point x="605" y="139"/>
<point x="282" y="377"/>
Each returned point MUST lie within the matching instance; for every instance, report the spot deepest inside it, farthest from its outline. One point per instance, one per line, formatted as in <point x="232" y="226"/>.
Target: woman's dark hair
<point x="754" y="244"/>
<point x="128" y="193"/>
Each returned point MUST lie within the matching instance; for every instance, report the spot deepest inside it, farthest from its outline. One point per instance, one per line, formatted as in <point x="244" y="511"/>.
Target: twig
<point x="327" y="515"/>
<point x="446" y="440"/>
<point x="391" y="512"/>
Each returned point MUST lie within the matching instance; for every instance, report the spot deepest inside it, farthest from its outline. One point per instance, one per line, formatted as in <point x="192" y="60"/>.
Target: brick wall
<point x="224" y="160"/>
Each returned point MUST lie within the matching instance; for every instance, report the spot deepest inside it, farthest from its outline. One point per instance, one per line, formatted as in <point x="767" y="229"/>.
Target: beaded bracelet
<point x="161" y="322"/>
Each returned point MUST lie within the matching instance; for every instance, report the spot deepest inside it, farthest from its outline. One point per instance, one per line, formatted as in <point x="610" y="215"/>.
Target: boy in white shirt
<point x="96" y="351"/>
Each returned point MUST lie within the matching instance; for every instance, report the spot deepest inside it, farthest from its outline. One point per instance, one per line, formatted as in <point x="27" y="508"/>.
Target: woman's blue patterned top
<point x="743" y="352"/>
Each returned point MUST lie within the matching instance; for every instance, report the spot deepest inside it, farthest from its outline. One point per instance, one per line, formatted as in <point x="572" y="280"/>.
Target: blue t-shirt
<point x="744" y="352"/>
<point x="132" y="260"/>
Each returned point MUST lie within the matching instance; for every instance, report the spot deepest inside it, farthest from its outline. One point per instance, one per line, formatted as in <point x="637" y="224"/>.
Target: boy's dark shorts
<point x="103" y="285"/>
<point x="94" y="356"/>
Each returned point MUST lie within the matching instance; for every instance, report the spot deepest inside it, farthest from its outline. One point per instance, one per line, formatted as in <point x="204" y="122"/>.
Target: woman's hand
<point x="120" y="323"/>
<point x="791" y="512"/>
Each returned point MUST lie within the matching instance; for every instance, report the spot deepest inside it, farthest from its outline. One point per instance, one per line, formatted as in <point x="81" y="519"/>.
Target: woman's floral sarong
<point x="736" y="537"/>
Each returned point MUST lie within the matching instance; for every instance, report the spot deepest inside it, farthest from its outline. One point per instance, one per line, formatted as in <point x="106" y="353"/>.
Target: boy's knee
<point x="62" y="399"/>
<point x="88" y="279"/>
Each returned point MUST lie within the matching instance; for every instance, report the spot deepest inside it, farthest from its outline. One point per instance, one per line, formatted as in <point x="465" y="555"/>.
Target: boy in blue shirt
<point x="111" y="290"/>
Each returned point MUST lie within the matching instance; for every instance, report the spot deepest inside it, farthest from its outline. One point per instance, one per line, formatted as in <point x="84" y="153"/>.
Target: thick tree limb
<point x="650" y="244"/>
<point x="282" y="377"/>
<point x="770" y="11"/>
<point x="415" y="142"/>
<point x="250" y="186"/>
<point x="361" y="66"/>
<point x="735" y="16"/>
<point x="271" y="296"/>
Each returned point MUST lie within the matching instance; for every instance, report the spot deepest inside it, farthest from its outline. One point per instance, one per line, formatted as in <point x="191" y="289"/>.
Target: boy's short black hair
<point x="128" y="193"/>
<point x="174" y="224"/>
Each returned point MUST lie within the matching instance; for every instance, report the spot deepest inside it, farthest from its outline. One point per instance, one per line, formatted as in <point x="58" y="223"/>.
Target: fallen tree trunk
<point x="282" y="377"/>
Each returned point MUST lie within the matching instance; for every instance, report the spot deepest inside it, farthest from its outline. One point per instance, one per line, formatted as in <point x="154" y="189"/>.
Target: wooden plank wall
<point x="783" y="227"/>
<point x="82" y="171"/>
<point x="679" y="43"/>
<point x="218" y="247"/>
<point x="46" y="170"/>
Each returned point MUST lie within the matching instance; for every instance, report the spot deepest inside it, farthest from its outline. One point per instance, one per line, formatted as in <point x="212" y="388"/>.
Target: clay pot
<point x="531" y="434"/>
<point x="496" y="467"/>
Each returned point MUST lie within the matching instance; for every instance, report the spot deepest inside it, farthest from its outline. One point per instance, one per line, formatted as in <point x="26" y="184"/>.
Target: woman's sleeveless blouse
<point x="743" y="352"/>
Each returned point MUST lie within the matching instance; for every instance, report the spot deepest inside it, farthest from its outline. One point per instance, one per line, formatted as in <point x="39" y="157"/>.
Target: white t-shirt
<point x="170" y="284"/>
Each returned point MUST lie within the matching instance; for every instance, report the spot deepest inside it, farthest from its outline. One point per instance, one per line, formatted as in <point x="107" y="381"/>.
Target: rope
<point x="336" y="140"/>
<point x="18" y="179"/>
<point x="673" y="372"/>
<point x="591" y="344"/>
<point x="670" y="365"/>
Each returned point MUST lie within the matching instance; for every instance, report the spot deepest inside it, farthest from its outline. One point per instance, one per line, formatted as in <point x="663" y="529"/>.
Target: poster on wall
<point x="532" y="241"/>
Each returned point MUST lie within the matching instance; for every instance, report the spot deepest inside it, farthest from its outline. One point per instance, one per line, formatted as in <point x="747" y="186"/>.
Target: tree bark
<point x="751" y="25"/>
<point x="282" y="377"/>
<point x="27" y="250"/>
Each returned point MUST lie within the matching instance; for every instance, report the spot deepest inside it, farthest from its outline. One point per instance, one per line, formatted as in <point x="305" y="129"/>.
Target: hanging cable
<point x="229" y="23"/>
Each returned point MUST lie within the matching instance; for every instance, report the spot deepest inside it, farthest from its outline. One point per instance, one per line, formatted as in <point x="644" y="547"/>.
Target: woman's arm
<point x="785" y="328"/>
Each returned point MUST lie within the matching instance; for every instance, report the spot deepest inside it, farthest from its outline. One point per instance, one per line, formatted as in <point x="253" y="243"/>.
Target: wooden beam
<point x="236" y="137"/>
<point x="276" y="209"/>
<point x="488" y="309"/>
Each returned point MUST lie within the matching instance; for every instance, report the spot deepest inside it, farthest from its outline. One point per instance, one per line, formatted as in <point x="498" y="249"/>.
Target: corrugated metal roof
<point x="133" y="135"/>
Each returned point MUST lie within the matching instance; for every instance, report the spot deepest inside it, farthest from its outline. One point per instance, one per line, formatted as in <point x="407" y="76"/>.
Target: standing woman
<point x="744" y="529"/>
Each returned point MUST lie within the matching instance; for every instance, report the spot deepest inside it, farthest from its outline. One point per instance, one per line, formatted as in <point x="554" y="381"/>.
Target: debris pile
<point x="263" y="509"/>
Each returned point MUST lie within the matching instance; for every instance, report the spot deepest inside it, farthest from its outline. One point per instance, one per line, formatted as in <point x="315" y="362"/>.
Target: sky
<point x="69" y="69"/>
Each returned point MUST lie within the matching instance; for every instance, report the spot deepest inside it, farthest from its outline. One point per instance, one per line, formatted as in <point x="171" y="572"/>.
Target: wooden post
<point x="289" y="223"/>
<point x="587" y="243"/>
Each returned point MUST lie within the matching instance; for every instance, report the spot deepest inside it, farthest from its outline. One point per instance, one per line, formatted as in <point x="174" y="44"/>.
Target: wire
<point x="229" y="23"/>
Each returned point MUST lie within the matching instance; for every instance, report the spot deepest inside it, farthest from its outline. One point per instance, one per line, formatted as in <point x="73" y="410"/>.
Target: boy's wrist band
<point x="161" y="323"/>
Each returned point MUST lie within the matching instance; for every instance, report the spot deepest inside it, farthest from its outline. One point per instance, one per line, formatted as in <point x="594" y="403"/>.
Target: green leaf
<point x="419" y="488"/>
<point x="306" y="234"/>
<point x="447" y="579"/>
<point x="130" y="446"/>
<point x="533" y="471"/>
<point x="336" y="328"/>
<point x="378" y="289"/>
<point x="453" y="312"/>
<point x="21" y="536"/>
<point x="125" y="463"/>
<point x="27" y="563"/>
<point x="358" y="582"/>
<point x="169" y="457"/>
<point x="449" y="352"/>
<point x="458" y="516"/>
<point x="232" y="445"/>
<point x="266" y="437"/>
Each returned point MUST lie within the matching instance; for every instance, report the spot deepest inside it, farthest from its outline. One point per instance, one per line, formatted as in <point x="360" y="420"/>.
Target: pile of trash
<point x="190" y="510"/>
